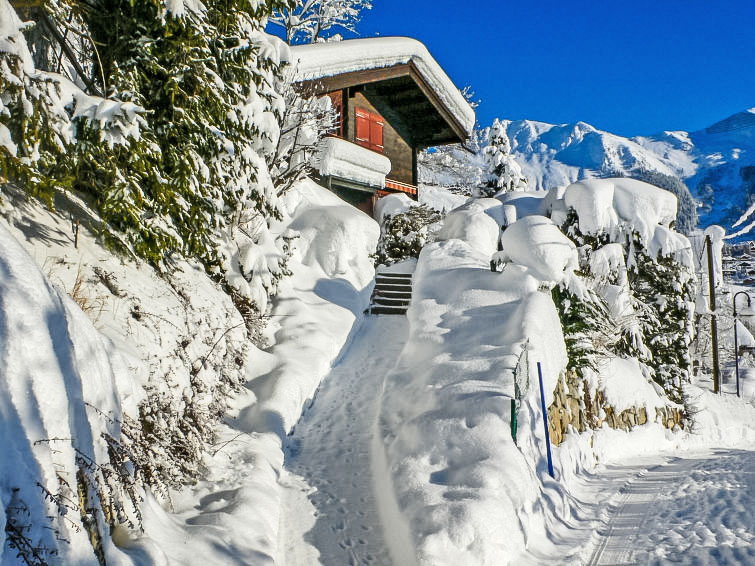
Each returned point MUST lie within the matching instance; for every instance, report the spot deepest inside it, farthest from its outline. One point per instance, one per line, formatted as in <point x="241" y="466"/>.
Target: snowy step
<point x="380" y="309"/>
<point x="384" y="287"/>
<point x="390" y="302"/>
<point x="392" y="294"/>
<point x="395" y="275"/>
<point x="391" y="282"/>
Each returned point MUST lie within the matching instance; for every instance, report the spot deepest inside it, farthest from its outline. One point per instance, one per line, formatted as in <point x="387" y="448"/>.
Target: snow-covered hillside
<point x="717" y="164"/>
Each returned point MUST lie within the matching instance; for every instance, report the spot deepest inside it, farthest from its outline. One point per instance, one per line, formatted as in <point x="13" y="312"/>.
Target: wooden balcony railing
<point x="398" y="187"/>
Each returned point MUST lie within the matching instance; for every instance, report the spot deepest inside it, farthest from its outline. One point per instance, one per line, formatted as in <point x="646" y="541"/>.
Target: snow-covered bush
<point x="175" y="161"/>
<point x="404" y="234"/>
<point x="634" y="269"/>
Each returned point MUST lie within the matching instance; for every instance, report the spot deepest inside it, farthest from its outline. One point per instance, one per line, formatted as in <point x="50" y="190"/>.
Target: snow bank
<point x="459" y="480"/>
<point x="602" y="204"/>
<point x="339" y="158"/>
<point x="317" y="306"/>
<point x="62" y="384"/>
<point x="537" y="244"/>
<point x="440" y="199"/>
<point x="174" y="330"/>
<point x="526" y="203"/>
<point x="319" y="60"/>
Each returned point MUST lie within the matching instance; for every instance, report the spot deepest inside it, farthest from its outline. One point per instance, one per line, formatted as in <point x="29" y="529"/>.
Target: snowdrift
<point x="62" y="388"/>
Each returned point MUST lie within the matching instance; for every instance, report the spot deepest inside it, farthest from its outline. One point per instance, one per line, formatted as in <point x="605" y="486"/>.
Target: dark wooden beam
<point x="344" y="80"/>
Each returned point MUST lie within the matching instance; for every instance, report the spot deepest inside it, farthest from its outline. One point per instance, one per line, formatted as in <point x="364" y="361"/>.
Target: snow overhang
<point x="344" y="160"/>
<point x="399" y="77"/>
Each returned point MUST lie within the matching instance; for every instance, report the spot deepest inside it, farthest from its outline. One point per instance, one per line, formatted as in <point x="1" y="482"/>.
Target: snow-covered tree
<point x="503" y="172"/>
<point x="647" y="301"/>
<point x="306" y="119"/>
<point x="312" y="21"/>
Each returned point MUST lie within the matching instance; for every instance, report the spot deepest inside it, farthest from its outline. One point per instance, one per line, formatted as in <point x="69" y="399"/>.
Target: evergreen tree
<point x="503" y="172"/>
<point x="404" y="234"/>
<point x="657" y="331"/>
<point x="196" y="183"/>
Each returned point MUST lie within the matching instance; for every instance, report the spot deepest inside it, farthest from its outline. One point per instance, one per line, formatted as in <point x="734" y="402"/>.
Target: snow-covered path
<point x="330" y="514"/>
<point x="689" y="510"/>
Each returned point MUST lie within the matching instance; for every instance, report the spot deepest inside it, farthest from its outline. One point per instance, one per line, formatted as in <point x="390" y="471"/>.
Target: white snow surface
<point x="477" y="223"/>
<point x="458" y="478"/>
<point x="422" y="419"/>
<point x="602" y="204"/>
<point x="536" y="243"/>
<point x="62" y="381"/>
<point x="393" y="204"/>
<point x="318" y="60"/>
<point x="439" y="198"/>
<point x="340" y="158"/>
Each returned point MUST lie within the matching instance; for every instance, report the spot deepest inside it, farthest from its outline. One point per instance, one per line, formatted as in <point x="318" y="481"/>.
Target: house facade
<point x="393" y="101"/>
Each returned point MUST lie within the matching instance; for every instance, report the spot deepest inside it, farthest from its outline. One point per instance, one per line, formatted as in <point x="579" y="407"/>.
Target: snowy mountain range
<point x="717" y="163"/>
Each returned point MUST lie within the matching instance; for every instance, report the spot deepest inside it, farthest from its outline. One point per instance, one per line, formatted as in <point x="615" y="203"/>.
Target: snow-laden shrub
<point x="403" y="234"/>
<point x="642" y="272"/>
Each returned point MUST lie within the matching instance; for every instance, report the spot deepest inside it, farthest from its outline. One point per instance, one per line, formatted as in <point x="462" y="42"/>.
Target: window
<point x="336" y="98"/>
<point x="369" y="129"/>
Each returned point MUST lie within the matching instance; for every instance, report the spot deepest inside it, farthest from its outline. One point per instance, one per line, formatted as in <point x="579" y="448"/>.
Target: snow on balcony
<point x="339" y="158"/>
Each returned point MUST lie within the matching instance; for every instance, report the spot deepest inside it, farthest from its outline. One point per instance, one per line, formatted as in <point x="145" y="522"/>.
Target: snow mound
<point x="391" y="205"/>
<point x="625" y="385"/>
<point x="459" y="479"/>
<point x="325" y="296"/>
<point x="536" y="243"/>
<point x="319" y="60"/>
<point x="440" y="199"/>
<point x="475" y="223"/>
<point x="603" y="204"/>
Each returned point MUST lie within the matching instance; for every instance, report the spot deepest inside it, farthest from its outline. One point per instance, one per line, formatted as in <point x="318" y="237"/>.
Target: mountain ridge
<point x="716" y="163"/>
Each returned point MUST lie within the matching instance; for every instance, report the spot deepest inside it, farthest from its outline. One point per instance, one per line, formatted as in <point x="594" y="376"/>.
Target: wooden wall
<point x="395" y="148"/>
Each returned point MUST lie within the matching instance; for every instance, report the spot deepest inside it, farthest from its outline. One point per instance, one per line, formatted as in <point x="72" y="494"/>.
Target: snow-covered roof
<point x="319" y="60"/>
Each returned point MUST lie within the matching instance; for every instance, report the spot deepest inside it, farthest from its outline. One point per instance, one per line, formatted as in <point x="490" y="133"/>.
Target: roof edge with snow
<point x="405" y="55"/>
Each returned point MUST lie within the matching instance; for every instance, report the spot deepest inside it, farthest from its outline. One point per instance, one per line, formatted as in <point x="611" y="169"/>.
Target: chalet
<point x="394" y="100"/>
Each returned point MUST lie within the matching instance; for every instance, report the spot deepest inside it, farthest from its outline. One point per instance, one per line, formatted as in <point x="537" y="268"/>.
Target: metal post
<point x="736" y="342"/>
<point x="545" y="420"/>
<point x="736" y="348"/>
<point x="713" y="316"/>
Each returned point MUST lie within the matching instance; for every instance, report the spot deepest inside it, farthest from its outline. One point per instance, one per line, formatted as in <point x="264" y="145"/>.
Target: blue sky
<point x="633" y="67"/>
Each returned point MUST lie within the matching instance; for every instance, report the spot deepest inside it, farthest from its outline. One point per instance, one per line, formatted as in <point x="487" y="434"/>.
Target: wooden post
<point x="713" y="316"/>
<point x="415" y="175"/>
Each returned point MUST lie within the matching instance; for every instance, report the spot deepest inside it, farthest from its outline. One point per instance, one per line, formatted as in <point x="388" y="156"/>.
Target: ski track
<point x="686" y="511"/>
<point x="328" y="458"/>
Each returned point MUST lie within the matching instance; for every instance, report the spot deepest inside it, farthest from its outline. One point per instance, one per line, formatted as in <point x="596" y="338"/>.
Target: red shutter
<point x="363" y="127"/>
<point x="376" y="132"/>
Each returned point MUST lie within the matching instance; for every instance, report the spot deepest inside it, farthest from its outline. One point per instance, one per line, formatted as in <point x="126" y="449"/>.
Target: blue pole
<point x="545" y="420"/>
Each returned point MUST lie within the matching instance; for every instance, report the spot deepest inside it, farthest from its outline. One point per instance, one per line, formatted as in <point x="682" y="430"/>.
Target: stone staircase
<point x="392" y="293"/>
